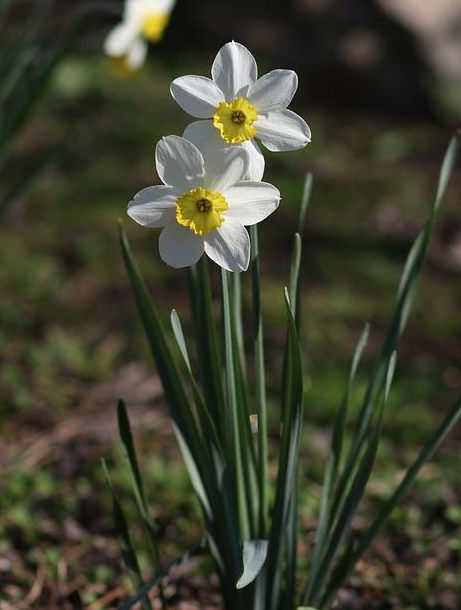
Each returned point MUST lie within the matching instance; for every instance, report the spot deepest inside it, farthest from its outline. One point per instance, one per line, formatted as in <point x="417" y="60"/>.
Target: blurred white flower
<point x="204" y="205"/>
<point x="143" y="21"/>
<point x="240" y="107"/>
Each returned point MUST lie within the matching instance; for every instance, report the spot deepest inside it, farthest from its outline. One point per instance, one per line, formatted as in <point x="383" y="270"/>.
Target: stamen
<point x="204" y="205"/>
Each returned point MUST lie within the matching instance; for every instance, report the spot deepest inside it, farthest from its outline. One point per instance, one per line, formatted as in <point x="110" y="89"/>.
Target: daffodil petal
<point x="197" y="95"/>
<point x="273" y="91"/>
<point x="229" y="246"/>
<point x="154" y="206"/>
<point x="283" y="130"/>
<point x="234" y="70"/>
<point x="179" y="246"/>
<point x="137" y="54"/>
<point x="120" y="39"/>
<point x="251" y="202"/>
<point x="225" y="167"/>
<point x="208" y="140"/>
<point x="179" y="163"/>
<point x="257" y="163"/>
<point x="205" y="137"/>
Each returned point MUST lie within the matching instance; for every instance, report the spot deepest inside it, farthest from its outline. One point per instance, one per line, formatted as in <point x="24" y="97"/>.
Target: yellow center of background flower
<point x="153" y="26"/>
<point x="200" y="210"/>
<point x="235" y="121"/>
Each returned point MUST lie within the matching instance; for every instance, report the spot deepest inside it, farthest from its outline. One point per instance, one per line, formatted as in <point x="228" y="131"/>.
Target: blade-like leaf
<point x="139" y="491"/>
<point x="452" y="418"/>
<point x="260" y="386"/>
<point x="332" y="466"/>
<point x="293" y="397"/>
<point x="184" y="558"/>
<point x="352" y="500"/>
<point x="126" y="545"/>
<point x="405" y="296"/>
<point x="307" y="192"/>
<point x="254" y="555"/>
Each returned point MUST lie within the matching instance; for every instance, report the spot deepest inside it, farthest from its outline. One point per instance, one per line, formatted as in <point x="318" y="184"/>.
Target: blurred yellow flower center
<point x="200" y="210"/>
<point x="153" y="26"/>
<point x="235" y="121"/>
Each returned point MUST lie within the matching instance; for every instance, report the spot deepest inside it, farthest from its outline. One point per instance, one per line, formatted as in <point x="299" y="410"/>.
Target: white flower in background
<point x="239" y="107"/>
<point x="143" y="21"/>
<point x="204" y="205"/>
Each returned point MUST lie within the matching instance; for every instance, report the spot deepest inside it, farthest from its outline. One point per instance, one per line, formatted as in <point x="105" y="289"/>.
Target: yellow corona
<point x="200" y="210"/>
<point x="235" y="121"/>
<point x="154" y="25"/>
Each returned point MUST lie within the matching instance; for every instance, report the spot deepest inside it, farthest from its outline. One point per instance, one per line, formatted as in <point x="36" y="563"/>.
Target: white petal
<point x="154" y="206"/>
<point x="197" y="95"/>
<point x="283" y="130"/>
<point x="250" y="202"/>
<point x="234" y="70"/>
<point x="273" y="91"/>
<point x="179" y="163"/>
<point x="229" y="246"/>
<point x="119" y="40"/>
<point x="225" y="167"/>
<point x="137" y="54"/>
<point x="205" y="137"/>
<point x="257" y="161"/>
<point x="179" y="246"/>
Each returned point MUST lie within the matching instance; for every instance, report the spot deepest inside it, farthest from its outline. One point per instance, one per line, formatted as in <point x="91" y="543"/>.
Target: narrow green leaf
<point x="405" y="296"/>
<point x="332" y="466"/>
<point x="451" y="419"/>
<point x="139" y="491"/>
<point x="307" y="192"/>
<point x="208" y="345"/>
<point x="254" y="555"/>
<point x="347" y="510"/>
<point x="293" y="397"/>
<point x="295" y="277"/>
<point x="260" y="387"/>
<point x="184" y="558"/>
<point x="126" y="545"/>
<point x="237" y="438"/>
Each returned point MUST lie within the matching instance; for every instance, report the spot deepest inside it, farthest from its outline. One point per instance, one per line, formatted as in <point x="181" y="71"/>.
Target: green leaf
<point x="307" y="192"/>
<point x="343" y="520"/>
<point x="237" y="446"/>
<point x="260" y="386"/>
<point x="184" y="558"/>
<point x="405" y="296"/>
<point x="139" y="491"/>
<point x="126" y="545"/>
<point x="254" y="555"/>
<point x="332" y="466"/>
<point x="208" y="345"/>
<point x="451" y="419"/>
<point x="293" y="397"/>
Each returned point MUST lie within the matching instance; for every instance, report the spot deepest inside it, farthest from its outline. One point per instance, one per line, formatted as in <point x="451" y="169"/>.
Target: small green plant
<point x="219" y="410"/>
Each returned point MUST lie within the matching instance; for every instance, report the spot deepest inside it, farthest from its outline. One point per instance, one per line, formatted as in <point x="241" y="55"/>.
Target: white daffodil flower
<point x="143" y="21"/>
<point x="203" y="205"/>
<point x="239" y="107"/>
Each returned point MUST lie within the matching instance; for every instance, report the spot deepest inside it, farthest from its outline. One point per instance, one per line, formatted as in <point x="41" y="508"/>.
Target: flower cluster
<point x="143" y="21"/>
<point x="212" y="176"/>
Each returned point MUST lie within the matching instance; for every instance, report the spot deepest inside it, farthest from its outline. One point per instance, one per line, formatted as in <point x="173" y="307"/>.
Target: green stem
<point x="234" y="424"/>
<point x="260" y="387"/>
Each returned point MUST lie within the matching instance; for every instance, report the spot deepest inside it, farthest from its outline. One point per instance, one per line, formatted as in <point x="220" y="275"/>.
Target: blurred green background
<point x="380" y="86"/>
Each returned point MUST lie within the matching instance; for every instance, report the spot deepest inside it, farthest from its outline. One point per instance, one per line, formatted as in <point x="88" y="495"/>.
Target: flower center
<point x="200" y="210"/>
<point x="153" y="26"/>
<point x="235" y="121"/>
